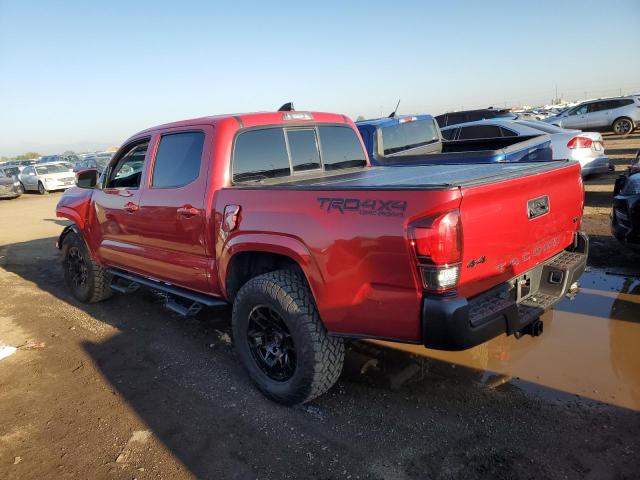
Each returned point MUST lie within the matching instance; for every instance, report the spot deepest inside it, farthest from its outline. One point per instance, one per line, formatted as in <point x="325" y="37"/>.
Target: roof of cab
<point x="254" y="119"/>
<point x="391" y="121"/>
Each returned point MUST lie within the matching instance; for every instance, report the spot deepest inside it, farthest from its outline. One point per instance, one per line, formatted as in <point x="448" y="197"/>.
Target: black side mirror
<point x="87" y="178"/>
<point x="620" y="181"/>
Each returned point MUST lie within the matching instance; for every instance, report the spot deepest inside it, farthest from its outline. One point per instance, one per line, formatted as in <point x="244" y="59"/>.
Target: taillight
<point x="437" y="242"/>
<point x="580" y="142"/>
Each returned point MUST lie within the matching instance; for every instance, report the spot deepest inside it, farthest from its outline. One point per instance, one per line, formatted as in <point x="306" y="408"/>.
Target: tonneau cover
<point x="409" y="177"/>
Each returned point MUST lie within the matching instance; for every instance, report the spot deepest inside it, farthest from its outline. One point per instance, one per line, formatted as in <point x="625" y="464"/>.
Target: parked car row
<point x="39" y="177"/>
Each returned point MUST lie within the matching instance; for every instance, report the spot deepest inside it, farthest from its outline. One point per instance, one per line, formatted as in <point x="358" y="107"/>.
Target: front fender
<point x="272" y="243"/>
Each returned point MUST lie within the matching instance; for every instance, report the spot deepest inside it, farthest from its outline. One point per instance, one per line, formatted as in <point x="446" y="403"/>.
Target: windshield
<point x="406" y="136"/>
<point x="57" y="168"/>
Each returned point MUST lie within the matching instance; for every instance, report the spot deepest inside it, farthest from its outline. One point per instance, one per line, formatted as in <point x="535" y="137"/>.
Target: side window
<point x="581" y="110"/>
<point x="260" y="154"/>
<point x="128" y="170"/>
<point x="178" y="159"/>
<point x="341" y="148"/>
<point x="624" y="102"/>
<point x="449" y="133"/>
<point x="303" y="147"/>
<point x="28" y="171"/>
<point x="479" y="131"/>
<point x="508" y="133"/>
<point x="442" y="120"/>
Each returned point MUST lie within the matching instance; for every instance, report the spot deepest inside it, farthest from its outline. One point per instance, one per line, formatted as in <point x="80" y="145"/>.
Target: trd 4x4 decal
<point x="383" y="208"/>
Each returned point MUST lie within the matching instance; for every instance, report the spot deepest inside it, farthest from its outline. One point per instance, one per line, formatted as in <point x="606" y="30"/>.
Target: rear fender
<point x="271" y="243"/>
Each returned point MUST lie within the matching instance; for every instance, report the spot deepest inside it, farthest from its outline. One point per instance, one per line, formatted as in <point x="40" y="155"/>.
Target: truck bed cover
<point x="421" y="177"/>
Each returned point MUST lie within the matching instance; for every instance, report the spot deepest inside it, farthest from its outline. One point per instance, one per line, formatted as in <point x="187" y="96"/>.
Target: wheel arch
<point x="623" y="117"/>
<point x="249" y="255"/>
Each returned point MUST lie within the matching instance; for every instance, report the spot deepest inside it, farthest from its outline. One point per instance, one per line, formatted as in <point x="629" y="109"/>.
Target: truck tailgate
<point x="511" y="226"/>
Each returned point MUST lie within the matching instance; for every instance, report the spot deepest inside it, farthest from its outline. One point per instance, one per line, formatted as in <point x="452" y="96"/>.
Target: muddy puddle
<point x="590" y="347"/>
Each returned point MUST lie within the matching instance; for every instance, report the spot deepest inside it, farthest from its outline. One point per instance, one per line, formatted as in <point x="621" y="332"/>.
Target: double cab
<point x="281" y="216"/>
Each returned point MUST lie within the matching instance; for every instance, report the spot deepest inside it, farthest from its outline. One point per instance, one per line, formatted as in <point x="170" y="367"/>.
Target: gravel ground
<point x="124" y="389"/>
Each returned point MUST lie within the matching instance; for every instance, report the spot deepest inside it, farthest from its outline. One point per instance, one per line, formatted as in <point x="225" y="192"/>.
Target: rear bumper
<point x="457" y="323"/>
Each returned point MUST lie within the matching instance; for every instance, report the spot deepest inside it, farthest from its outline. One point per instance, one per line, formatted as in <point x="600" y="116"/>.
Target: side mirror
<point x="620" y="182"/>
<point x="87" y="178"/>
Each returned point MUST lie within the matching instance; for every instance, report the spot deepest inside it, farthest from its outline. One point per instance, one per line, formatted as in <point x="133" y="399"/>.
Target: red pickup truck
<point x="281" y="215"/>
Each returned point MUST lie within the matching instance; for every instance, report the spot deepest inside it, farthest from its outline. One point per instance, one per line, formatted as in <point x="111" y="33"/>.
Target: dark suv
<point x="454" y="118"/>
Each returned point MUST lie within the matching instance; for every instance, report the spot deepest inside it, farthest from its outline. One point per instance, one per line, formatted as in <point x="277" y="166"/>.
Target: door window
<point x="581" y="110"/>
<point x="128" y="170"/>
<point x="449" y="133"/>
<point x="178" y="159"/>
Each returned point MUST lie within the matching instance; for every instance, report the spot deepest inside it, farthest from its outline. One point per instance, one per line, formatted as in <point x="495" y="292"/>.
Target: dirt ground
<point x="124" y="389"/>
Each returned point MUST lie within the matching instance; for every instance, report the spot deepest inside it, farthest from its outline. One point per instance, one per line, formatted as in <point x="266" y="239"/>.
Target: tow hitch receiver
<point x="534" y="329"/>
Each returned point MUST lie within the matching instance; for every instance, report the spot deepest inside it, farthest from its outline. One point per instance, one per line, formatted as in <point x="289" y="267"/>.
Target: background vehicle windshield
<point x="57" y="168"/>
<point x="406" y="136"/>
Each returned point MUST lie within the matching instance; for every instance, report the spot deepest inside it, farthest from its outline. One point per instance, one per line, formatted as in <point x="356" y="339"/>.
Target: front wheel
<point x="88" y="281"/>
<point x="21" y="189"/>
<point x="622" y="126"/>
<point x="281" y="341"/>
<point x="41" y="189"/>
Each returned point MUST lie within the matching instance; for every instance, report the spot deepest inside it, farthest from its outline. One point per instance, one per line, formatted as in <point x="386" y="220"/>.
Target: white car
<point x="45" y="177"/>
<point x="584" y="147"/>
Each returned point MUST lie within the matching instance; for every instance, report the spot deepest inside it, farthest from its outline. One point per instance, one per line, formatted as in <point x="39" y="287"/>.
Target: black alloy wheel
<point x="271" y="344"/>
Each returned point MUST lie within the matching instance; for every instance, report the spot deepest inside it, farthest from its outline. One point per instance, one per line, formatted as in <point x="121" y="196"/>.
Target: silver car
<point x="620" y="115"/>
<point x="584" y="147"/>
<point x="45" y="177"/>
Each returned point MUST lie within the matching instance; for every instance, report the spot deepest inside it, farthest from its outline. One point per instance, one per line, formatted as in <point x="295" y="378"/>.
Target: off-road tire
<point x="319" y="357"/>
<point x="622" y="126"/>
<point x="41" y="189"/>
<point x="98" y="282"/>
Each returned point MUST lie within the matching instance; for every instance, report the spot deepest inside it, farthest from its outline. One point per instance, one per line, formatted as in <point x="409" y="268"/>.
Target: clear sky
<point x="87" y="74"/>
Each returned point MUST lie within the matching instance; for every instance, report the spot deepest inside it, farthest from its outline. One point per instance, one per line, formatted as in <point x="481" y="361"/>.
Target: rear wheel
<point x="88" y="281"/>
<point x="41" y="189"/>
<point x="281" y="341"/>
<point x="622" y="126"/>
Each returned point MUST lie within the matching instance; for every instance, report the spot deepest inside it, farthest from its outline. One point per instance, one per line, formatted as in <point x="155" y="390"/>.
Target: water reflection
<point x="590" y="347"/>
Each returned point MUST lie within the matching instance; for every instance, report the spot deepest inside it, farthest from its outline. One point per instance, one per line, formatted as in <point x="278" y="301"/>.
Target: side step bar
<point x="125" y="282"/>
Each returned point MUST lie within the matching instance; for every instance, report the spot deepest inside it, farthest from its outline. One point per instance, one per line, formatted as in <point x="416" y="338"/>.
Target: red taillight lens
<point x="438" y="239"/>
<point x="580" y="142"/>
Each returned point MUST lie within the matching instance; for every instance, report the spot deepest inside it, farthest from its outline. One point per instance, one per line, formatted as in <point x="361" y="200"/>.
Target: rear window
<point x="178" y="159"/>
<point x="341" y="148"/>
<point x="260" y="154"/>
<point x="543" y="127"/>
<point x="303" y="147"/>
<point x="408" y="135"/>
<point x="263" y="154"/>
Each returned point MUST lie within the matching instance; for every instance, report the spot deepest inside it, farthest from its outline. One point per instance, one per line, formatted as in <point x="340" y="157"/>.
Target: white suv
<point x="620" y="115"/>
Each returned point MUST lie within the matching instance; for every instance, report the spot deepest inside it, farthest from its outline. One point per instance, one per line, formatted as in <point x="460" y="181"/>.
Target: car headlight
<point x="16" y="183"/>
<point x="632" y="186"/>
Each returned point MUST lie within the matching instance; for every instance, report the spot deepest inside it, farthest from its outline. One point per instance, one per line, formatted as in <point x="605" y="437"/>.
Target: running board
<point x="195" y="300"/>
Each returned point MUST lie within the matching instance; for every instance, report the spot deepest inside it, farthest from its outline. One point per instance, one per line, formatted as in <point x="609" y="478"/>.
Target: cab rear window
<point x="274" y="152"/>
<point x="405" y="136"/>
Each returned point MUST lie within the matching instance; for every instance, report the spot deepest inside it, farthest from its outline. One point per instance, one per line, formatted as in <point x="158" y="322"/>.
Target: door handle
<point x="125" y="193"/>
<point x="131" y="207"/>
<point x="188" y="211"/>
